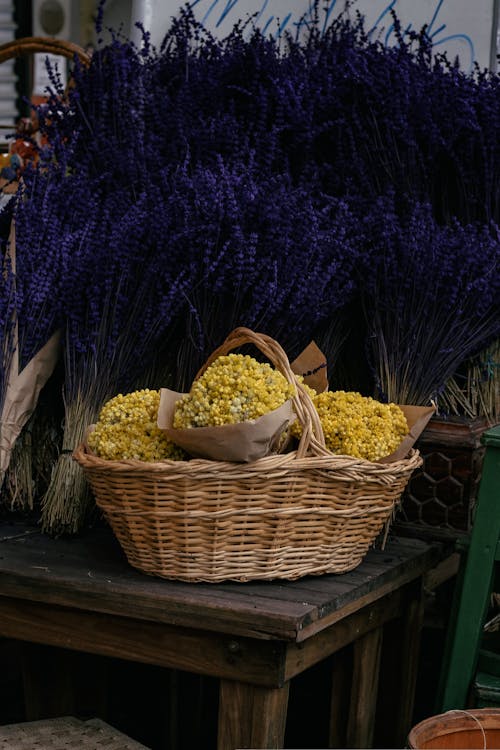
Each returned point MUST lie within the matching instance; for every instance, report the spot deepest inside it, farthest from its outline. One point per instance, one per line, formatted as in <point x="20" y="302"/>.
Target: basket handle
<point x="31" y="44"/>
<point x="312" y="440"/>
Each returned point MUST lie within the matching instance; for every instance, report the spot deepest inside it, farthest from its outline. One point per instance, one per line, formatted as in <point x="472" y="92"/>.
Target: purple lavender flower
<point x="245" y="147"/>
<point x="431" y="297"/>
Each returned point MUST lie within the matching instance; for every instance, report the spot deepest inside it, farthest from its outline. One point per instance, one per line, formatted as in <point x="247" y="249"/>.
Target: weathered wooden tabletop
<point x="91" y="572"/>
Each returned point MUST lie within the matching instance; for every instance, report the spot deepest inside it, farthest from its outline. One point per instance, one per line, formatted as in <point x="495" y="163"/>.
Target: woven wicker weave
<point x="64" y="733"/>
<point x="282" y="516"/>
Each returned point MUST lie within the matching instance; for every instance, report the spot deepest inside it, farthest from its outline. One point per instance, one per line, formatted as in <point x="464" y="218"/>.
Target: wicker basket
<point x="32" y="44"/>
<point x="307" y="512"/>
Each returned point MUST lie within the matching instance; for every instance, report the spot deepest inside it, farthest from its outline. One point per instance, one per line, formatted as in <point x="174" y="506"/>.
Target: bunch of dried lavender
<point x="120" y="296"/>
<point x="431" y="299"/>
<point x="217" y="183"/>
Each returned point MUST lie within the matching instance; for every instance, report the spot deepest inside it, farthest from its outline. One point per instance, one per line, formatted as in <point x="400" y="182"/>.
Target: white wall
<point x="8" y="93"/>
<point x="463" y="28"/>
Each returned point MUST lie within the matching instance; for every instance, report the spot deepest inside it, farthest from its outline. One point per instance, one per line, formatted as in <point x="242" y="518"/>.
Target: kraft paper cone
<point x="22" y="394"/>
<point x="241" y="442"/>
<point x="245" y="441"/>
<point x="417" y="418"/>
<point x="311" y="364"/>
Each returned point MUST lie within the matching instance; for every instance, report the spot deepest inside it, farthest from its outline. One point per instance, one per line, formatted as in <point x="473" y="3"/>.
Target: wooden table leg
<point x="361" y="722"/>
<point x="399" y="671"/>
<point x="339" y="699"/>
<point x="251" y="716"/>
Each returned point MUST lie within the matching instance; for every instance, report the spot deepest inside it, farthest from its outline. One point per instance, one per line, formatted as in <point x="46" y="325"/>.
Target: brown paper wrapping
<point x="248" y="441"/>
<point x="417" y="418"/>
<point x="253" y="439"/>
<point x="242" y="442"/>
<point x="22" y="393"/>
<point x="311" y="364"/>
<point x="245" y="441"/>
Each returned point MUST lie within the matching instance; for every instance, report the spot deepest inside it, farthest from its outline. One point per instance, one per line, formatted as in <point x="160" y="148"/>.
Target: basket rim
<point x="39" y="44"/>
<point x="286" y="461"/>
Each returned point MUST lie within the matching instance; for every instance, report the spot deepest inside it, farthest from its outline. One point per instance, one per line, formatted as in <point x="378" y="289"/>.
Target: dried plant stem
<point x="456" y="400"/>
<point x="18" y="489"/>
<point x="68" y="501"/>
<point x="479" y="393"/>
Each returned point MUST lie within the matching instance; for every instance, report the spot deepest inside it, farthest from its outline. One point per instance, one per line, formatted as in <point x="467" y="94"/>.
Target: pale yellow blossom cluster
<point x="234" y="388"/>
<point x="307" y="388"/>
<point x="358" y="426"/>
<point x="127" y="428"/>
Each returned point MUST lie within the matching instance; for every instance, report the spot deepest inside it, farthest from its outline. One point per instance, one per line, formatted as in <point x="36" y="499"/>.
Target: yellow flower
<point x="359" y="426"/>
<point x="234" y="388"/>
<point x="127" y="428"/>
<point x="300" y="379"/>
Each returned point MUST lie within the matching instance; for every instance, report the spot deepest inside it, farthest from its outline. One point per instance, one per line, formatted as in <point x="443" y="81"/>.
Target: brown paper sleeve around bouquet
<point x="311" y="364"/>
<point x="241" y="442"/>
<point x="417" y="418"/>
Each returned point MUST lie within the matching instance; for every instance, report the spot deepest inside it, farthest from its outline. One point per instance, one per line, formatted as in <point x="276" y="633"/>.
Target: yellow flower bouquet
<point x="238" y="409"/>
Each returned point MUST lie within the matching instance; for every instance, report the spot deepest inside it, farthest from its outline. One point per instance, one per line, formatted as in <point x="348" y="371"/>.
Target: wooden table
<point x="81" y="594"/>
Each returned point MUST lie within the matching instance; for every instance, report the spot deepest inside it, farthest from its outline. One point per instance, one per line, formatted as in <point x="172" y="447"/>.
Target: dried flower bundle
<point x="272" y="184"/>
<point x="432" y="299"/>
<point x="261" y="254"/>
<point x="474" y="390"/>
<point x="121" y="294"/>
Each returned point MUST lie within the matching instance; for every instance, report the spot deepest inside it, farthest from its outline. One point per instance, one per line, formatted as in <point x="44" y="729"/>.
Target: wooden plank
<point x="197" y="651"/>
<point x="399" y="671"/>
<point x="52" y="576"/>
<point x="13" y="532"/>
<point x="301" y="656"/>
<point x="444" y="570"/>
<point x="340" y="697"/>
<point x="304" y="591"/>
<point x="233" y="618"/>
<point x="252" y="717"/>
<point x="91" y="573"/>
<point x="347" y="606"/>
<point x="409" y="653"/>
<point x="365" y="678"/>
<point x="331" y="593"/>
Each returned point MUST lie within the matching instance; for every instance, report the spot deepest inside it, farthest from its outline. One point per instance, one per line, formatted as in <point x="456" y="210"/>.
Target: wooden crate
<point x="440" y="497"/>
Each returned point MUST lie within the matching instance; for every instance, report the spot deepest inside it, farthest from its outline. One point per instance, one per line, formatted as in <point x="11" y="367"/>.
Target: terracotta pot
<point x="477" y="728"/>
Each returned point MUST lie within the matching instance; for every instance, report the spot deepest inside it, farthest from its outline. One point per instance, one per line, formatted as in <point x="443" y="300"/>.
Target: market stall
<point x="241" y="278"/>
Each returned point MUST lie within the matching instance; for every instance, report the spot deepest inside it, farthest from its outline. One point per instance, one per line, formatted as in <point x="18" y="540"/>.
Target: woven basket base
<point x="64" y="733"/>
<point x="278" y="517"/>
<point x="209" y="567"/>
